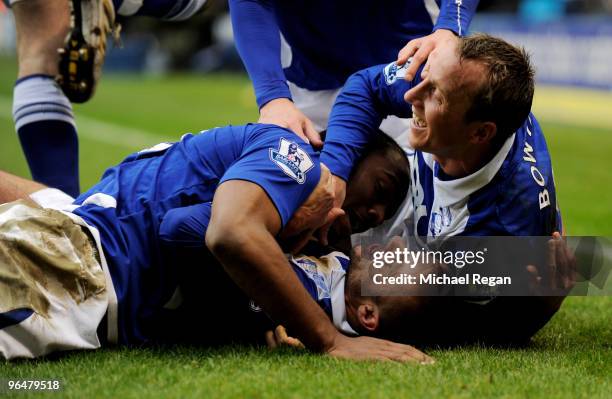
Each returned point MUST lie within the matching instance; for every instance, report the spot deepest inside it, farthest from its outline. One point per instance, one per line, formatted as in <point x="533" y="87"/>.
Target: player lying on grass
<point x="413" y="313"/>
<point x="97" y="270"/>
<point x="481" y="165"/>
<point x="377" y="185"/>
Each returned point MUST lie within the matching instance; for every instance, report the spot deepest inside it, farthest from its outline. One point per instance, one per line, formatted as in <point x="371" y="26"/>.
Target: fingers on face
<point x="408" y="50"/>
<point x="418" y="59"/>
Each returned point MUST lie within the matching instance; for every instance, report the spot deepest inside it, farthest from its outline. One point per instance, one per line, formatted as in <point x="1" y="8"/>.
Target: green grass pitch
<point x="570" y="357"/>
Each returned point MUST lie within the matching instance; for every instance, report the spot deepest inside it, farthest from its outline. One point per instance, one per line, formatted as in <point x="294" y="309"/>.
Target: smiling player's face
<point x="440" y="102"/>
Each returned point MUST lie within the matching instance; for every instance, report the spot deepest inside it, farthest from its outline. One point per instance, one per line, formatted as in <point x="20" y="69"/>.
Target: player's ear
<point x="368" y="315"/>
<point x="483" y="132"/>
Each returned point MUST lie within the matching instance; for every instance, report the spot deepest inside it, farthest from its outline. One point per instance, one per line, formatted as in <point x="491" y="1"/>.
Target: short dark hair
<point x="388" y="147"/>
<point x="506" y="96"/>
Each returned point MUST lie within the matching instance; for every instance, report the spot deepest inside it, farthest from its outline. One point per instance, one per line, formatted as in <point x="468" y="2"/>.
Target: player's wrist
<point x="324" y="338"/>
<point x="275" y="102"/>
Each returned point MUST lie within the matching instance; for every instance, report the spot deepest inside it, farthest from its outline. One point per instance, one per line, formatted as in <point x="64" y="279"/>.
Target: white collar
<point x="464" y="186"/>
<point x="338" y="303"/>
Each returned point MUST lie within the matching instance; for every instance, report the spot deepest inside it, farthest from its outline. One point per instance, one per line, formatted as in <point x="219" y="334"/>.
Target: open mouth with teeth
<point x="418" y="122"/>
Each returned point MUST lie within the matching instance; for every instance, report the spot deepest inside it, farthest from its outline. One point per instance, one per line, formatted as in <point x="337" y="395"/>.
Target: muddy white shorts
<point x="53" y="288"/>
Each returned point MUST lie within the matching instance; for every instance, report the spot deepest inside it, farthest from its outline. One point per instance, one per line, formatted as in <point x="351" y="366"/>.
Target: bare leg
<point x="42" y="27"/>
<point x="43" y="115"/>
<point x="13" y="187"/>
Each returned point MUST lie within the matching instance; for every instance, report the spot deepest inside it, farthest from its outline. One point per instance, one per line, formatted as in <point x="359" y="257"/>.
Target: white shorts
<point x="54" y="290"/>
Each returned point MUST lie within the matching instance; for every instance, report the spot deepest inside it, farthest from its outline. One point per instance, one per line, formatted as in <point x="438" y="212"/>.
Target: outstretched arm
<point x="368" y="97"/>
<point x="454" y="19"/>
<point x="258" y="42"/>
<point x="456" y="15"/>
<point x="241" y="234"/>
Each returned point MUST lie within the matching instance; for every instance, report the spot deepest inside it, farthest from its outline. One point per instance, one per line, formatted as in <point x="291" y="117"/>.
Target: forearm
<point x="353" y="122"/>
<point x="255" y="262"/>
<point x="456" y="15"/>
<point x="258" y="42"/>
<point x="367" y="98"/>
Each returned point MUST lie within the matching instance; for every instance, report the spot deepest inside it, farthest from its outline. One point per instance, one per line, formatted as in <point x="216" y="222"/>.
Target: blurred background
<point x="172" y="78"/>
<point x="571" y="40"/>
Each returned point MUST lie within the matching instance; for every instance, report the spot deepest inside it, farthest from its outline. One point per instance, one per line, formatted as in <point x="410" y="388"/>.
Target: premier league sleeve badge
<point x="292" y="160"/>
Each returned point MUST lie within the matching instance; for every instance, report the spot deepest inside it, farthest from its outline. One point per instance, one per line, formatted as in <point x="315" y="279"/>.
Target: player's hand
<point x="419" y="49"/>
<point x="282" y="112"/>
<point x="339" y="187"/>
<point x="279" y="337"/>
<point x="368" y="348"/>
<point x="559" y="277"/>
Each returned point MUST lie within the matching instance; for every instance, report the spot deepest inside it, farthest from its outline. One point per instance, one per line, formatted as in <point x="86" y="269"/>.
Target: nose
<point x="376" y="215"/>
<point x="414" y="96"/>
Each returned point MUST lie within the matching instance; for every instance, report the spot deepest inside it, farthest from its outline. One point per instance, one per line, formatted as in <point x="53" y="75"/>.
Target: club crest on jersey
<point x="440" y="220"/>
<point x="292" y="160"/>
<point x="392" y="72"/>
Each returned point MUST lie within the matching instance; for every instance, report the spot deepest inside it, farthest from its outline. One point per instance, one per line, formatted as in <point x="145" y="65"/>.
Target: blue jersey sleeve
<point x="257" y="39"/>
<point x="456" y="15"/>
<point x="186" y="225"/>
<point x="368" y="97"/>
<point x="275" y="159"/>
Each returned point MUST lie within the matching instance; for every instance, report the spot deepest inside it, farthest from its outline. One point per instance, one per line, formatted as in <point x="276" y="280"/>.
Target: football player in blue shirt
<point x="481" y="165"/>
<point x="377" y="186"/>
<point x="243" y="183"/>
<point x="296" y="77"/>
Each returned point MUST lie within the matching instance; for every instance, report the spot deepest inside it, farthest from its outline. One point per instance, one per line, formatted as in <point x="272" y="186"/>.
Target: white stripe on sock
<point x="40" y="98"/>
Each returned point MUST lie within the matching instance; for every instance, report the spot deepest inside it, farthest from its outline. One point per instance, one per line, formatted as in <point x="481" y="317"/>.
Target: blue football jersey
<point x="331" y="39"/>
<point x="322" y="273"/>
<point x="144" y="197"/>
<point x="513" y="194"/>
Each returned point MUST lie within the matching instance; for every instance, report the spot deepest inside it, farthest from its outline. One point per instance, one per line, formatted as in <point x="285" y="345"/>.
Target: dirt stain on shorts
<point x="43" y="252"/>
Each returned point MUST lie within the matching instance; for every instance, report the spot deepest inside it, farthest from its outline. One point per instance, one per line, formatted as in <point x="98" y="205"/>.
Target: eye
<point x="379" y="191"/>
